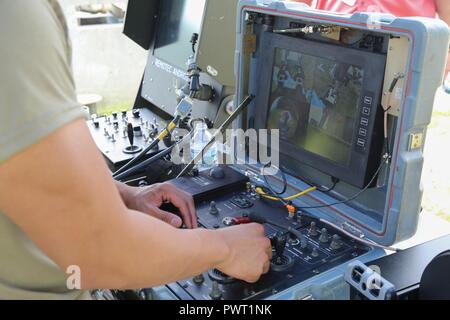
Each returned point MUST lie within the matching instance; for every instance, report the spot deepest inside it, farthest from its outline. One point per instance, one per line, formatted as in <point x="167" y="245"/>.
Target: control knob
<point x="216" y="293"/>
<point x="314" y="253"/>
<point x="313" y="229"/>
<point x="303" y="243"/>
<point x="136" y="114"/>
<point x="323" y="235"/>
<point x="336" y="242"/>
<point x="198" y="280"/>
<point x="213" y="208"/>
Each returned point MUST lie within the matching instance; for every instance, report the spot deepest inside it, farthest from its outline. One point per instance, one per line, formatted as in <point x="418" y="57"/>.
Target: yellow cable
<point x="266" y="196"/>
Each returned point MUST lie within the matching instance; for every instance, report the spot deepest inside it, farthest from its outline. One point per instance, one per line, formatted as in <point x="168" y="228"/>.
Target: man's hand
<point x="308" y="2"/>
<point x="250" y="252"/>
<point x="150" y="199"/>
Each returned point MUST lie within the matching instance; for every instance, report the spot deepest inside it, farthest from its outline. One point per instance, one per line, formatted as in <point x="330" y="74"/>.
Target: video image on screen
<point x="314" y="103"/>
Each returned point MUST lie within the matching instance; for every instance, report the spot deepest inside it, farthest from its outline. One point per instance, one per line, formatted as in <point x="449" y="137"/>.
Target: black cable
<point x="194" y="40"/>
<point x="143" y="165"/>
<point x="387" y="145"/>
<point x="328" y="190"/>
<point x="137" y="158"/>
<point x="356" y="42"/>
<point x="272" y="193"/>
<point x="285" y="183"/>
<point x="319" y="188"/>
<point x="144" y="152"/>
<point x="146" y="163"/>
<point x="254" y="217"/>
<point x="351" y="198"/>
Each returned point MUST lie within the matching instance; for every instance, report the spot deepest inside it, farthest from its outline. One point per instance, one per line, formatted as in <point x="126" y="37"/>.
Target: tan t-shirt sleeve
<point x="37" y="91"/>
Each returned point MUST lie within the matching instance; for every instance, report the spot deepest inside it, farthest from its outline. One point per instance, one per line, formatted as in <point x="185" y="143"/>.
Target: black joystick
<point x="130" y="131"/>
<point x="279" y="244"/>
<point x="131" y="149"/>
<point x="280" y="262"/>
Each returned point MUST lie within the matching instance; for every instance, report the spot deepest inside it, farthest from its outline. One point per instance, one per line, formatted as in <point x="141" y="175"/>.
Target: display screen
<point x="178" y="20"/>
<point x="314" y="103"/>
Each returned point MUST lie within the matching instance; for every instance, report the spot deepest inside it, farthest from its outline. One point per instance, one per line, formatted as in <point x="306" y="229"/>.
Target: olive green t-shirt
<point x="37" y="97"/>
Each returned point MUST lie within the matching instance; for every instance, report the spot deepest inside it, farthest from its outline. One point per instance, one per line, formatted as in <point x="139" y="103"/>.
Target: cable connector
<point x="184" y="108"/>
<point x="292" y="210"/>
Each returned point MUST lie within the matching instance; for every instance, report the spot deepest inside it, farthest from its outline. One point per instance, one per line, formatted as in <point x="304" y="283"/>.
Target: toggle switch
<point x="336" y="242"/>
<point x="213" y="208"/>
<point x="324" y="236"/>
<point x="313" y="229"/>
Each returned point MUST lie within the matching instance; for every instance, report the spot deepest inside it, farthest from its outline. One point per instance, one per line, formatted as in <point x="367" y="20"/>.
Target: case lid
<point x="389" y="212"/>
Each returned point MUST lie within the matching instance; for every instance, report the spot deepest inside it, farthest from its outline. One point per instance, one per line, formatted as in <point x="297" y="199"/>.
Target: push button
<point x="362" y="132"/>
<point x="368" y="100"/>
<point x="361" y="143"/>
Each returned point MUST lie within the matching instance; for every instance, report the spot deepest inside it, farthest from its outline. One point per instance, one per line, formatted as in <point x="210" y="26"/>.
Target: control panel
<point x="122" y="135"/>
<point x="295" y="258"/>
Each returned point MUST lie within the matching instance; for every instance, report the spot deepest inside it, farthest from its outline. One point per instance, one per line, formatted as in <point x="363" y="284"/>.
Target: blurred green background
<point x="436" y="173"/>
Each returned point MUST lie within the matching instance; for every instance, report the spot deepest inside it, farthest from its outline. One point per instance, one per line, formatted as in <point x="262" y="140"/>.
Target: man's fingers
<point x="266" y="267"/>
<point x="168" y="217"/>
<point x="184" y="210"/>
<point x="269" y="252"/>
<point x="184" y="203"/>
<point x="193" y="211"/>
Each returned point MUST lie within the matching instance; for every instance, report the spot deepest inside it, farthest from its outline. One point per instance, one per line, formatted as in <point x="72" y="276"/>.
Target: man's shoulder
<point x="35" y="20"/>
<point x="36" y="83"/>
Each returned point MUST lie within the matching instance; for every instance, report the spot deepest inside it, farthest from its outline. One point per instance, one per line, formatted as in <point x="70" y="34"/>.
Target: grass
<point x="444" y="216"/>
<point x="115" y="107"/>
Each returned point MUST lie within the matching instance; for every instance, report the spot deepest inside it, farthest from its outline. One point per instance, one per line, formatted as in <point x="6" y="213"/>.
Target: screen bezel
<point x="356" y="172"/>
<point x="158" y="28"/>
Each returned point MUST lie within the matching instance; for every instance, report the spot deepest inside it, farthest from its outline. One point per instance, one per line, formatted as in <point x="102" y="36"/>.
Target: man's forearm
<point x="185" y="252"/>
<point x="125" y="191"/>
<point x="129" y="255"/>
<point x="443" y="10"/>
<point x="308" y="2"/>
